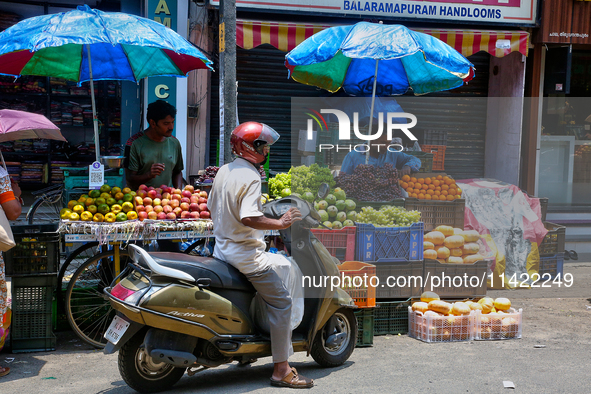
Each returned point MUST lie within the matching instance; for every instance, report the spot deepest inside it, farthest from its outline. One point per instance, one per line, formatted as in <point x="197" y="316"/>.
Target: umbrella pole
<point x="97" y="145"/>
<point x="373" y="99"/>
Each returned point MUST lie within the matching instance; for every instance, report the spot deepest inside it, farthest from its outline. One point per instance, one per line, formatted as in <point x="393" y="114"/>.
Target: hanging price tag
<point x="96" y="175"/>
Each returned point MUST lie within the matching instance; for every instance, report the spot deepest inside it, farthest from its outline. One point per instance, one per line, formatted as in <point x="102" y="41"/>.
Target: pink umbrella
<point x="20" y="125"/>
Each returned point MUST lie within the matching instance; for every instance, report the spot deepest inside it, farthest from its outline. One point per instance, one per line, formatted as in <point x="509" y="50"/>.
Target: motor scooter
<point x="178" y="312"/>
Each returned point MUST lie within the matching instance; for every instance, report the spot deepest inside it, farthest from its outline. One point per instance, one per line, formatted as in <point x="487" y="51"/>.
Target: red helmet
<point x="248" y="140"/>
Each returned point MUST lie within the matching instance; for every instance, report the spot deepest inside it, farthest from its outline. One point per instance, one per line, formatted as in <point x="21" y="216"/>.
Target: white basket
<point x="495" y="326"/>
<point x="441" y="328"/>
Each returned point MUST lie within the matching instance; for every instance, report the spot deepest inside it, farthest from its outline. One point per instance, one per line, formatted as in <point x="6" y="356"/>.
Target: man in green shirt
<point x="155" y="158"/>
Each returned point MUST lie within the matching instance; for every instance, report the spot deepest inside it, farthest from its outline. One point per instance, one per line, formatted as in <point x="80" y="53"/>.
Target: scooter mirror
<point x="323" y="191"/>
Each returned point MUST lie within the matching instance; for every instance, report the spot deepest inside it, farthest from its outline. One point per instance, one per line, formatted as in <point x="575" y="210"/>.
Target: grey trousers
<point x="271" y="288"/>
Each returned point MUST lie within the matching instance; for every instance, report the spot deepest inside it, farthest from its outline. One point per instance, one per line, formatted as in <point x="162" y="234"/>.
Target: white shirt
<point x="235" y="195"/>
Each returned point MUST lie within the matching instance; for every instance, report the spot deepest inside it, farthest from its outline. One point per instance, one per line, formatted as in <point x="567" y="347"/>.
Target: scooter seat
<point x="222" y="274"/>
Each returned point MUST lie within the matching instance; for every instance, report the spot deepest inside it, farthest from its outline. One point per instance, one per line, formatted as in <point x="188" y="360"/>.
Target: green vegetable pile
<point x="308" y="179"/>
<point x="388" y="216"/>
<point x="280" y="185"/>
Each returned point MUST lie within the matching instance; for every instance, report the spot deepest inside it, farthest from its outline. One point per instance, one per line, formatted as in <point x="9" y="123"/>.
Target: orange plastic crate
<point x="360" y="290"/>
<point x="438" y="155"/>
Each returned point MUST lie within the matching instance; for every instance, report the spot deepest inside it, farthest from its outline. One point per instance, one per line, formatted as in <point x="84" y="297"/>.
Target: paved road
<point x="557" y="319"/>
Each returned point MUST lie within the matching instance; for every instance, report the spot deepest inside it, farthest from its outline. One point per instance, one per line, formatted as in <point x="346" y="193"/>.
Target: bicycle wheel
<point x="46" y="209"/>
<point x="87" y="307"/>
<point x="69" y="267"/>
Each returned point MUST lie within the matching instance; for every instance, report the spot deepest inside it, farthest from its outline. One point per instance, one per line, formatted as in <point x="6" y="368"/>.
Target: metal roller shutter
<point x="264" y="95"/>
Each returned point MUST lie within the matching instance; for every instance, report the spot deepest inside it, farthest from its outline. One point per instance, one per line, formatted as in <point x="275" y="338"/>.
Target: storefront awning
<point x="286" y="36"/>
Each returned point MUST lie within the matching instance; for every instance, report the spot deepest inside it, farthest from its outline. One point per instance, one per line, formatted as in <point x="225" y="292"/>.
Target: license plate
<point x="116" y="329"/>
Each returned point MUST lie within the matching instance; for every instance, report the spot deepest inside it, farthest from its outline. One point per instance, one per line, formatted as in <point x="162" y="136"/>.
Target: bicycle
<point x="47" y="205"/>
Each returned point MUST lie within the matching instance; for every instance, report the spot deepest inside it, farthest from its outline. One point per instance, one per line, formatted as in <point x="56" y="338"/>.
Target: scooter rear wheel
<point x="333" y="356"/>
<point x="139" y="370"/>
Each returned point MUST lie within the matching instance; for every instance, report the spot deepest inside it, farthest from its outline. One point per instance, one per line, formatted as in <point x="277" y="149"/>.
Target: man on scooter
<point x="236" y="211"/>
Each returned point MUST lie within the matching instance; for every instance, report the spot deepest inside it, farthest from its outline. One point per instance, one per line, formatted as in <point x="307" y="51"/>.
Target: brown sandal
<point x="4" y="371"/>
<point x="293" y="380"/>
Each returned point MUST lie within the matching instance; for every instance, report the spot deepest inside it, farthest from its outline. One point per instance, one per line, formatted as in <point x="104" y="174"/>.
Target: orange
<point x="452" y="191"/>
<point x="431" y="187"/>
<point x="409" y="190"/>
<point x="421" y="196"/>
<point x="436" y="182"/>
<point x="406" y="178"/>
<point x="416" y="191"/>
<point x="413" y="179"/>
<point x="411" y="184"/>
<point x="413" y="195"/>
<point x="450" y="198"/>
<point x="430" y="192"/>
<point x="425" y="186"/>
<point x="421" y="180"/>
<point x="438" y="188"/>
<point x="444" y="187"/>
<point x="428" y="181"/>
<point x="439" y="177"/>
<point x="444" y="193"/>
<point x="442" y="198"/>
<point x="458" y="196"/>
<point x="437" y="193"/>
<point x="404" y="185"/>
<point x="428" y="197"/>
<point x="448" y="181"/>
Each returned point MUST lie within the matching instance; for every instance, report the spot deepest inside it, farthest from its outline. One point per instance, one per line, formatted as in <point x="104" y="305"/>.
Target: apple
<point x="203" y="194"/>
<point x="194" y="207"/>
<point x="176" y="191"/>
<point x="194" y="200"/>
<point x="138" y="200"/>
<point x="185" y="215"/>
<point x="176" y="197"/>
<point x="158" y="190"/>
<point x="140" y="208"/>
<point x="177" y="211"/>
<point x="158" y="209"/>
<point x="150" y="188"/>
<point x="202" y="207"/>
<point x="166" y="209"/>
<point x="166" y="195"/>
<point x="185" y="206"/>
<point x="147" y="201"/>
<point x="142" y="215"/>
<point x="149" y="208"/>
<point x="156" y="201"/>
<point x="142" y="193"/>
<point x="159" y="196"/>
<point x="204" y="215"/>
<point x="175" y="203"/>
<point x="143" y="187"/>
<point x="165" y="201"/>
<point x="152" y="215"/>
<point x="195" y="215"/>
<point x="170" y="216"/>
<point x="165" y="189"/>
<point x="202" y="200"/>
<point x="161" y="216"/>
<point x="186" y="193"/>
<point x="185" y="199"/>
<point x="197" y="191"/>
<point x="152" y="194"/>
<point x="190" y="188"/>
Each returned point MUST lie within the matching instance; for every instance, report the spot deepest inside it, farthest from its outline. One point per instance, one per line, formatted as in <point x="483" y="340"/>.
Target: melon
<point x="455" y="241"/>
<point x="445" y="230"/>
<point x="420" y="307"/>
<point x="470" y="248"/>
<point x="429" y="296"/>
<point x="457" y="252"/>
<point x="502" y="304"/>
<point x="460" y="309"/>
<point x="428" y="245"/>
<point x="455" y="260"/>
<point x="430" y="254"/>
<point x="442" y="252"/>
<point x="471" y="235"/>
<point x="435" y="237"/>
<point x="487" y="304"/>
<point x="440" y="306"/>
<point x="473" y="258"/>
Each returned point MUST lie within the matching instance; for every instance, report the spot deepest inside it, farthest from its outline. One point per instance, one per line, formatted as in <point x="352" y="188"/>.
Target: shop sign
<point x="516" y="12"/>
<point x="163" y="88"/>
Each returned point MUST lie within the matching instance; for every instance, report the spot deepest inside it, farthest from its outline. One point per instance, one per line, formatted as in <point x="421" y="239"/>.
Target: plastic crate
<point x="399" y="202"/>
<point x="391" y="317"/>
<point x="437" y="213"/>
<point x="435" y="137"/>
<point x="71" y="182"/>
<point x="72" y="194"/>
<point x="438" y="155"/>
<point x="36" y="251"/>
<point x="553" y="265"/>
<point x="389" y="244"/>
<point x="447" y="288"/>
<point x="426" y="160"/>
<point x="553" y="241"/>
<point x="32" y="300"/>
<point x="361" y="290"/>
<point x="339" y="243"/>
<point x="411" y="272"/>
<point x="365" y="327"/>
<point x="440" y="328"/>
<point x="498" y="326"/>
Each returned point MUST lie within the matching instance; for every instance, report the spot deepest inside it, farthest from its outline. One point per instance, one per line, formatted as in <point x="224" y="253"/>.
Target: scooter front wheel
<point x="335" y="342"/>
<point x="139" y="370"/>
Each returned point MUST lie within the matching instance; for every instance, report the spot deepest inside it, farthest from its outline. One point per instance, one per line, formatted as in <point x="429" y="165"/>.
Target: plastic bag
<point x="4" y="325"/>
<point x="293" y="283"/>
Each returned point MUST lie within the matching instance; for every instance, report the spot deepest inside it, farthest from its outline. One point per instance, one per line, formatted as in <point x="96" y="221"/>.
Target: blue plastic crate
<point x="552" y="265"/>
<point x="389" y="244"/>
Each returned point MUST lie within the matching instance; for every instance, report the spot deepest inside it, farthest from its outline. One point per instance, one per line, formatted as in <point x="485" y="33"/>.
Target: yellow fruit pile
<point x="497" y="321"/>
<point x="439" y="188"/>
<point x="452" y="245"/>
<point x="104" y="205"/>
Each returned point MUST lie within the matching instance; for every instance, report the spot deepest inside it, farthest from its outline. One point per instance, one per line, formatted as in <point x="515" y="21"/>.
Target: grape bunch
<point x="279" y="183"/>
<point x="388" y="216"/>
<point x="370" y="183"/>
<point x="207" y="177"/>
<point x="308" y="179"/>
